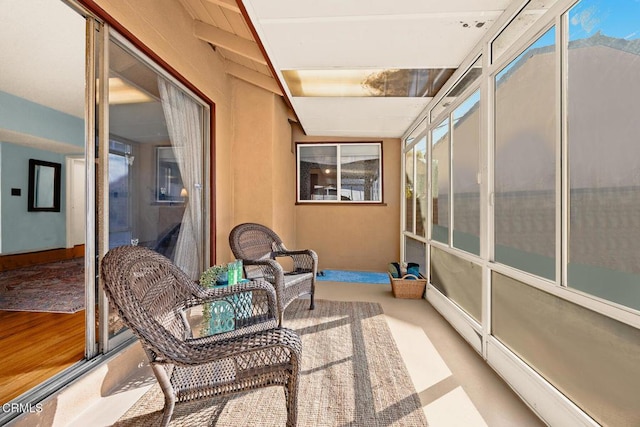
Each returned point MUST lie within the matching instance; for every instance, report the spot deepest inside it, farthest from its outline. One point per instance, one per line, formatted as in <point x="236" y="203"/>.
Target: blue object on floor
<point x="353" y="276"/>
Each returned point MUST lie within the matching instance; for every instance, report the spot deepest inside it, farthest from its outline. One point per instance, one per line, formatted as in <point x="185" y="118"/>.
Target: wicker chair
<point x="258" y="247"/>
<point x="151" y="295"/>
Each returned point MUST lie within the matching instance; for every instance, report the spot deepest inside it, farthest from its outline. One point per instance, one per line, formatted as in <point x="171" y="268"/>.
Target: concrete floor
<point x="456" y="387"/>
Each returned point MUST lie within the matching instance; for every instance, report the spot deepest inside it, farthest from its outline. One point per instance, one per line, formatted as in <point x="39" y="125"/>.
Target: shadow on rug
<point x="352" y="375"/>
<point x="57" y="287"/>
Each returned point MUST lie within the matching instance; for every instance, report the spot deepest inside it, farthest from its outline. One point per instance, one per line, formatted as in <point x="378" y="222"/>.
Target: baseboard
<point x="546" y="401"/>
<point x="552" y="407"/>
<point x="11" y="262"/>
<point x="460" y="320"/>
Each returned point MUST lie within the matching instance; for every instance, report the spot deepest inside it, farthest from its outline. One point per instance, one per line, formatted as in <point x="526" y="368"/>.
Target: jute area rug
<point x="352" y="375"/>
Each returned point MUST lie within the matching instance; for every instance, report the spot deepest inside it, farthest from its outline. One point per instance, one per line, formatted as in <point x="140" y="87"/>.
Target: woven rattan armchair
<point x="151" y="295"/>
<point x="258" y="247"/>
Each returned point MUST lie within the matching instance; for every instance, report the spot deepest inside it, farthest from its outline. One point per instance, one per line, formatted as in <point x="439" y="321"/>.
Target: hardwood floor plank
<point x="35" y="346"/>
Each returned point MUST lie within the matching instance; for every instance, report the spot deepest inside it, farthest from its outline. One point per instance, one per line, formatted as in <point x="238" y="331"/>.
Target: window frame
<point x="338" y="146"/>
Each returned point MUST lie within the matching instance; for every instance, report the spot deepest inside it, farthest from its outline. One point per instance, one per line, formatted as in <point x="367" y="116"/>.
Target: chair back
<point x="254" y="242"/>
<point x="148" y="291"/>
<point x="251" y="241"/>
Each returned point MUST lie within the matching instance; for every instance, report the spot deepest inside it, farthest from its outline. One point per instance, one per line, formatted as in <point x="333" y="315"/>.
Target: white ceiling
<point x="296" y="34"/>
<point x="42" y="45"/>
<point x="367" y="34"/>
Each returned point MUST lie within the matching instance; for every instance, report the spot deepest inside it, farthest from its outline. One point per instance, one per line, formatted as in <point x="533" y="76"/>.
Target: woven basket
<point x="403" y="287"/>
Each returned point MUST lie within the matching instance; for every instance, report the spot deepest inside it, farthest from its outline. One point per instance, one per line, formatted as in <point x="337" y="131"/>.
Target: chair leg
<point x="313" y="304"/>
<point x="169" y="404"/>
<point x="291" y="396"/>
<point x="167" y="390"/>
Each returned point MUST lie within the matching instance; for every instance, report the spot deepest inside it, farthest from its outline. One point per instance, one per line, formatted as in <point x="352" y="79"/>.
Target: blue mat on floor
<point x="353" y="276"/>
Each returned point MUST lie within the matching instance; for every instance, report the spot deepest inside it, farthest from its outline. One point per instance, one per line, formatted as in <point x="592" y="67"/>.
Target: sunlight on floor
<point x="415" y="348"/>
<point x="455" y="386"/>
<point x="441" y="412"/>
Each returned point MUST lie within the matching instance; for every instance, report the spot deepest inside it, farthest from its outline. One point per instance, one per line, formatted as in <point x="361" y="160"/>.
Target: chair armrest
<point x="270" y="270"/>
<point x="304" y="260"/>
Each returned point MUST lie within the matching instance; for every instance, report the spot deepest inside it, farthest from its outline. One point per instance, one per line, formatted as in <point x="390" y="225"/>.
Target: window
<point x="603" y="150"/>
<point x="465" y="151"/>
<point x="525" y="160"/>
<point x="422" y="202"/>
<point x="440" y="152"/>
<point x="471" y="76"/>
<point x="409" y="191"/>
<point x="347" y="173"/>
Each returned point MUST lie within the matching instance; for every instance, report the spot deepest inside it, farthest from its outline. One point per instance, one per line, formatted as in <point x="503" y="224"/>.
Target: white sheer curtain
<point x="184" y="123"/>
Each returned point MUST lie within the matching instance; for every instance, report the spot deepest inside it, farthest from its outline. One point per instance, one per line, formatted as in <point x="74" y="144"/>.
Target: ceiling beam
<point x="253" y="77"/>
<point x="227" y="4"/>
<point x="229" y="41"/>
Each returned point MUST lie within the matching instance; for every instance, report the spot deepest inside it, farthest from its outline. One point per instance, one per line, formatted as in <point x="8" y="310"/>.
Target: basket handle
<point x="411" y="275"/>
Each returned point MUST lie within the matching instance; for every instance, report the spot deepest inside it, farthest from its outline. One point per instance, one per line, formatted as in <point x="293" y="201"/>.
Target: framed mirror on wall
<point x="44" y="186"/>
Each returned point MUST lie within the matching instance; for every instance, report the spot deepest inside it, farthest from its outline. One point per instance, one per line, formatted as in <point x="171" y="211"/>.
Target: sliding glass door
<point x="156" y="140"/>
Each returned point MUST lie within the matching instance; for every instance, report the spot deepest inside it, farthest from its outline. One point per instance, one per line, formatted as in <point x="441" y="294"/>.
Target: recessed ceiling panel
<point x="401" y="83"/>
<point x="337" y="36"/>
<point x="359" y="117"/>
<point x="278" y="9"/>
<point x="406" y="42"/>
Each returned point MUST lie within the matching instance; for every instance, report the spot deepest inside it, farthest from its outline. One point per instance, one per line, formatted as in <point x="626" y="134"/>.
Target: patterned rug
<point x="352" y="375"/>
<point x="56" y="287"/>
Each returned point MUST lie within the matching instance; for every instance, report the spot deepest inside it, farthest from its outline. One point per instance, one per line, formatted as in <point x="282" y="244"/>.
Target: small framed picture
<point x="169" y="187"/>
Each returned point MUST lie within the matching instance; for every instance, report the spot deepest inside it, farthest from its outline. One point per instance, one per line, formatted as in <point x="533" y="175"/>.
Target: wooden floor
<point x="35" y="346"/>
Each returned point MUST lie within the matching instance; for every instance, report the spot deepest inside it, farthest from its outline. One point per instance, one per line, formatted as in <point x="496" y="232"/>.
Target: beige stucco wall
<point x="262" y="162"/>
<point x="354" y="237"/>
<point x="253" y="159"/>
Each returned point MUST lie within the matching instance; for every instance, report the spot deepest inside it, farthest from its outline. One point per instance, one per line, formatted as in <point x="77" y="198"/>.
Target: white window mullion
<point x="563" y="162"/>
<point x="451" y="117"/>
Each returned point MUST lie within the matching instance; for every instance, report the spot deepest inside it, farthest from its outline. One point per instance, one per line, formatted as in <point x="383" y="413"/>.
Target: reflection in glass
<point x="409" y="191"/>
<point x="147" y="203"/>
<point x="318" y="174"/>
<point x="351" y="171"/>
<point x="169" y="185"/>
<point x="465" y="169"/>
<point x="360" y="172"/>
<point x="44" y="176"/>
<point x="604" y="226"/>
<point x="440" y="152"/>
<point x="119" y="195"/>
<point x="421" y="186"/>
<point x="525" y="160"/>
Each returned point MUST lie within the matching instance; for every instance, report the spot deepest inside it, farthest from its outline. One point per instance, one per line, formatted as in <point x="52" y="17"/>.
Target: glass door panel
<point x="155" y="177"/>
